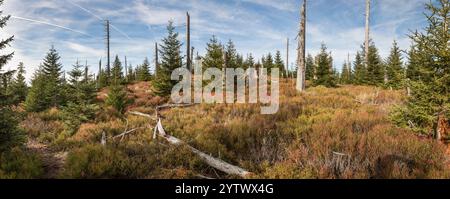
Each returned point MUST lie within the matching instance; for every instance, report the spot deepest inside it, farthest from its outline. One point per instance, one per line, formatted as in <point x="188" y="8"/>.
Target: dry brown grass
<point x="323" y="133"/>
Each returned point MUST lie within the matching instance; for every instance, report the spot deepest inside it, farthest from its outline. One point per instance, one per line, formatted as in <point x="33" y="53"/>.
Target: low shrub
<point x="20" y="164"/>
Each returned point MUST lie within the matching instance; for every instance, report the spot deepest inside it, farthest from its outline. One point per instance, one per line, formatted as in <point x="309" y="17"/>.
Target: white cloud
<point x="286" y="5"/>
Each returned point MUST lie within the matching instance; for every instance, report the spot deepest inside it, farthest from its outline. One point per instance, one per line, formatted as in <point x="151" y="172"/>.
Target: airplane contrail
<point x="50" y="24"/>
<point x="98" y="17"/>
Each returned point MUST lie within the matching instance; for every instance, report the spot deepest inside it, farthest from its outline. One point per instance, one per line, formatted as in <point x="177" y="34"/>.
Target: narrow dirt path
<point x="52" y="161"/>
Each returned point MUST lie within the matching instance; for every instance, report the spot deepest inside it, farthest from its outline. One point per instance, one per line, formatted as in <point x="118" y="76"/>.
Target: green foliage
<point x="18" y="88"/>
<point x="171" y="59"/>
<point x="4" y="42"/>
<point x="116" y="71"/>
<point x="267" y="62"/>
<point x="430" y="95"/>
<point x="10" y="134"/>
<point x="325" y="74"/>
<point x="310" y="67"/>
<point x="231" y="55"/>
<point x="102" y="79"/>
<point x="117" y="98"/>
<point x="20" y="164"/>
<point x="130" y="162"/>
<point x="81" y="107"/>
<point x="143" y="71"/>
<point x="360" y="74"/>
<point x="375" y="68"/>
<point x="278" y="63"/>
<point x="249" y="62"/>
<point x="412" y="68"/>
<point x="131" y="75"/>
<point x="394" y="68"/>
<point x="47" y="87"/>
<point x="214" y="54"/>
<point x="346" y="74"/>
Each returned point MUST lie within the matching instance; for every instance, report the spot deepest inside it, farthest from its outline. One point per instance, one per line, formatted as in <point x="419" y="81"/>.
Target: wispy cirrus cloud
<point x="256" y="26"/>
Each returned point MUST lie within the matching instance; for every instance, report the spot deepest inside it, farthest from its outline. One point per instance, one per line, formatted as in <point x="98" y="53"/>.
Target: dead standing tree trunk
<point x="188" y="42"/>
<point x="301" y="50"/>
<point x="367" y="42"/>
<point x="287" y="58"/>
<point x="156" y="60"/>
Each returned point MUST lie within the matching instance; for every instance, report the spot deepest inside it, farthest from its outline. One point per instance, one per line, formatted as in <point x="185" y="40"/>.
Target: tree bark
<point x="367" y="42"/>
<point x="287" y="58"/>
<point x="188" y="41"/>
<point x="301" y="50"/>
<point x="156" y="59"/>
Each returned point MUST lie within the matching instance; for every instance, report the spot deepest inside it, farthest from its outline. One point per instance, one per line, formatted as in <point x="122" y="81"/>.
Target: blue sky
<point x="256" y="26"/>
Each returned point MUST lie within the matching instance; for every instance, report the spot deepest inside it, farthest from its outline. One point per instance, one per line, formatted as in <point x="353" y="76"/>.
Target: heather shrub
<point x="130" y="161"/>
<point x="20" y="164"/>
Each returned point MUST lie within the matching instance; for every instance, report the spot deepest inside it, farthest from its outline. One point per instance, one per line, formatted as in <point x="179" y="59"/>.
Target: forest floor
<point x="342" y="132"/>
<point x="52" y="160"/>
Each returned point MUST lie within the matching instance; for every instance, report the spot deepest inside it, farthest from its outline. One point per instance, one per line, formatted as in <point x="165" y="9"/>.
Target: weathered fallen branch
<point x="122" y="135"/>
<point x="211" y="161"/>
<point x="165" y="106"/>
<point x="143" y="115"/>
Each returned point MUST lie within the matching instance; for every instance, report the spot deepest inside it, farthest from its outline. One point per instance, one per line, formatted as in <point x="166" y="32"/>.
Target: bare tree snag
<point x="287" y="58"/>
<point x="188" y="42"/>
<point x="103" y="141"/>
<point x="156" y="59"/>
<point x="366" y="58"/>
<point x="126" y="69"/>
<point x="108" y="57"/>
<point x="301" y="51"/>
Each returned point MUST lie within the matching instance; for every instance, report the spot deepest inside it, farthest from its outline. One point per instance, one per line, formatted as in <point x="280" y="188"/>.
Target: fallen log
<point x="143" y="115"/>
<point x="122" y="135"/>
<point x="165" y="106"/>
<point x="211" y="161"/>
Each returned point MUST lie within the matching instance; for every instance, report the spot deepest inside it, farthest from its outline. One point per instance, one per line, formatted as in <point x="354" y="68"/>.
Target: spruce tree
<point x="10" y="134"/>
<point x="170" y="52"/>
<point x="268" y="63"/>
<point x="310" y="67"/>
<point x="239" y="61"/>
<point x="231" y="55"/>
<point x="413" y="65"/>
<point x="116" y="71"/>
<point x="214" y="54"/>
<point x="325" y="72"/>
<point x="345" y="77"/>
<point x="117" y="98"/>
<point x="360" y="74"/>
<point x="131" y="77"/>
<point x="47" y="87"/>
<point x="278" y="63"/>
<point x="143" y="72"/>
<point x="394" y="68"/>
<point x="375" y="69"/>
<point x="102" y="79"/>
<point x="249" y="62"/>
<point x="430" y="96"/>
<point x="18" y="88"/>
<point x="54" y="85"/>
<point x="36" y="100"/>
<point x="76" y="74"/>
<point x="81" y="105"/>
